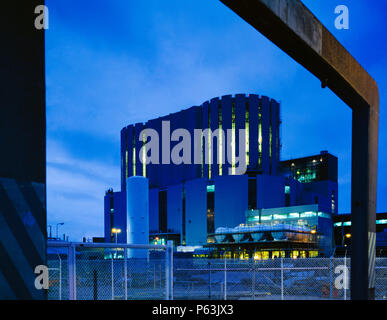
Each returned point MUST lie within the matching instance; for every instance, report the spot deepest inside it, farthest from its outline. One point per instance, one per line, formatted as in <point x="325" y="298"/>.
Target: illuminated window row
<point x="294" y="215"/>
<point x="348" y="223"/>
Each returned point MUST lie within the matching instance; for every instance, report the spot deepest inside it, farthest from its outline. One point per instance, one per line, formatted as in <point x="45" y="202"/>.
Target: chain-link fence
<point x="278" y="279"/>
<point x="100" y="272"/>
<point x="381" y="278"/>
<point x="109" y="272"/>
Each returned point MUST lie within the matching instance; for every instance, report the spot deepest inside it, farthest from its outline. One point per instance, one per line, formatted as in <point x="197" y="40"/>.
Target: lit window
<point x="126" y="163"/>
<point x="134" y="153"/>
<point x="143" y="156"/>
<point x="280" y="216"/>
<point x="307" y="214"/>
<point x="265" y="255"/>
<point x="209" y="143"/>
<point x="313" y="254"/>
<point x="220" y="140"/>
<point x="247" y="133"/>
<point x="324" y="215"/>
<point x="211" y="188"/>
<point x="287" y="189"/>
<point x="233" y="139"/>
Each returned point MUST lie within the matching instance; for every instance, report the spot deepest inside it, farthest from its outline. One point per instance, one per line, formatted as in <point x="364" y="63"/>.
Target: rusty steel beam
<point x="294" y="29"/>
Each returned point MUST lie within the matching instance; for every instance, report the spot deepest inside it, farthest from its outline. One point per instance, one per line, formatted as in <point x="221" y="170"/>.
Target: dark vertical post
<point x="330" y="277"/>
<point x="294" y="29"/>
<point x="22" y="148"/>
<point x="363" y="227"/>
<point x="209" y="280"/>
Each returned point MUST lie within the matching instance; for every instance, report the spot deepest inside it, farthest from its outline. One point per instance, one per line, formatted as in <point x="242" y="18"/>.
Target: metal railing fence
<point x="278" y="279"/>
<point x="116" y="271"/>
<point x="91" y="271"/>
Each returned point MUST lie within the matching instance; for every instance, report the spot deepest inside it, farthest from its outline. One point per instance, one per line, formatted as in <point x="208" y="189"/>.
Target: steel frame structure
<point x="294" y="28"/>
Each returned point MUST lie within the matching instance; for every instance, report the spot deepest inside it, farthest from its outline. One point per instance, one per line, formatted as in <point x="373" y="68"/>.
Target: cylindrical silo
<point x="137" y="196"/>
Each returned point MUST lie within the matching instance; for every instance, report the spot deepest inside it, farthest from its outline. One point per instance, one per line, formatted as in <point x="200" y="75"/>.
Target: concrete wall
<point x="231" y="200"/>
<point x="270" y="191"/>
<point x="154" y="209"/>
<point x="174" y="208"/>
<point x="196" y="215"/>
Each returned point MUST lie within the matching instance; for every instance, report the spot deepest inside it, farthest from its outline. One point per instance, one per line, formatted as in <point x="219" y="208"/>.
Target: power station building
<point x="199" y="183"/>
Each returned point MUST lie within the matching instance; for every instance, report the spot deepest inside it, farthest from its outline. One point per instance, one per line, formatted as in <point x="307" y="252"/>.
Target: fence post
<point x="282" y="278"/>
<point x="126" y="271"/>
<point x="60" y="277"/>
<point x="330" y="278"/>
<point x="345" y="276"/>
<point x="253" y="279"/>
<point x="225" y="279"/>
<point x="71" y="260"/>
<point x="209" y="280"/>
<point x="169" y="271"/>
<point x="112" y="267"/>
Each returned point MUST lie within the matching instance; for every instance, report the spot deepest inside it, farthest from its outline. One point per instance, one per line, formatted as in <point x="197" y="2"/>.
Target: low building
<point x="287" y="232"/>
<point x="342" y="234"/>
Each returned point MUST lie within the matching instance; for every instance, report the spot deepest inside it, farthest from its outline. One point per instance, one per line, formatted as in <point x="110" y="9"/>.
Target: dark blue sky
<point x="110" y="63"/>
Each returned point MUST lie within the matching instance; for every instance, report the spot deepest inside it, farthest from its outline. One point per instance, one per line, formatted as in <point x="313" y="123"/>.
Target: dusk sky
<point x="110" y="63"/>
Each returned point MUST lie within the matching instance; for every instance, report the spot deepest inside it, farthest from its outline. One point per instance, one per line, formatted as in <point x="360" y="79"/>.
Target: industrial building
<point x="343" y="234"/>
<point x="189" y="202"/>
<point x="287" y="232"/>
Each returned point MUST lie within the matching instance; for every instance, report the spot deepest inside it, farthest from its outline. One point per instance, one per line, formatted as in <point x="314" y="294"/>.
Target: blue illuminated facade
<point x="188" y="202"/>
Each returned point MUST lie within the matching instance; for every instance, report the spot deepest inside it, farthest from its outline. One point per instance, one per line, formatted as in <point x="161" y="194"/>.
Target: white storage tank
<point x="221" y="234"/>
<point x="280" y="234"/>
<point x="257" y="236"/>
<point x="137" y="196"/>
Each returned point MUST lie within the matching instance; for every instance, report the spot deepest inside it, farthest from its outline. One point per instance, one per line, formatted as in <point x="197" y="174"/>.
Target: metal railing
<point x="117" y="271"/>
<point x="278" y="279"/>
<point x="99" y="271"/>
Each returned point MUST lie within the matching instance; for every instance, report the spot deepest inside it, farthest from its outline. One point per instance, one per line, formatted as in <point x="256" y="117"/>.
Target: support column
<point x="363" y="207"/>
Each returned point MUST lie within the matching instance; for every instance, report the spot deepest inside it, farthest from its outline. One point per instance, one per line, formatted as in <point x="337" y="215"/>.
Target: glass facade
<point x="310" y="169"/>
